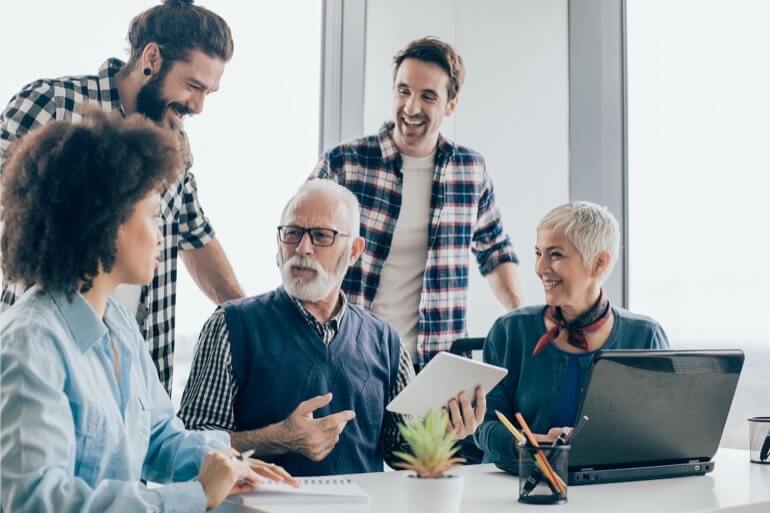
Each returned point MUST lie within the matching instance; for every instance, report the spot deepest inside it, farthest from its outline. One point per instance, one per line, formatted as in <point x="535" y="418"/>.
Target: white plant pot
<point x="440" y="494"/>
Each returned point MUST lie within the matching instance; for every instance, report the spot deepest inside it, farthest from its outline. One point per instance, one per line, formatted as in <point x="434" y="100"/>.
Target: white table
<point x="734" y="482"/>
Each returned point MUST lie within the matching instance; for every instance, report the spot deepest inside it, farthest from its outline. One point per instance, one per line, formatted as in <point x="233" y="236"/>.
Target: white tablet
<point x="445" y="376"/>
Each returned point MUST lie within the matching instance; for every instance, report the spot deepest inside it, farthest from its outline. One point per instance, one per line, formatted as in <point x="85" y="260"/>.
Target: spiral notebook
<point x="312" y="490"/>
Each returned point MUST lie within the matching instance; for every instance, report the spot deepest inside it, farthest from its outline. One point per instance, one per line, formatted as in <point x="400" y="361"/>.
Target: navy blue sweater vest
<point x="279" y="361"/>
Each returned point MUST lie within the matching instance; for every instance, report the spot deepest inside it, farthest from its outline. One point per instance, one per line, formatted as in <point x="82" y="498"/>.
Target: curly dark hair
<point x="66" y="188"/>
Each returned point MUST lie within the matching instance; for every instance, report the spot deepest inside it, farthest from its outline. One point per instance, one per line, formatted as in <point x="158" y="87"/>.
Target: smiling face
<point x="180" y="89"/>
<point x="567" y="281"/>
<point x="420" y="104"/>
<point x="138" y="243"/>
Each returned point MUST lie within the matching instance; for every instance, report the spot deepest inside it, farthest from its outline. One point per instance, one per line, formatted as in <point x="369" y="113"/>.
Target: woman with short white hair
<point x="547" y="349"/>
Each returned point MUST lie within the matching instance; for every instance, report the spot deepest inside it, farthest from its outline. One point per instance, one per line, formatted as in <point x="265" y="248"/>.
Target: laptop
<point x="653" y="414"/>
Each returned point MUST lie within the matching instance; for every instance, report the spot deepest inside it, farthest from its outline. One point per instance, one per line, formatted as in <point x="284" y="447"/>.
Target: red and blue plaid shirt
<point x="463" y="217"/>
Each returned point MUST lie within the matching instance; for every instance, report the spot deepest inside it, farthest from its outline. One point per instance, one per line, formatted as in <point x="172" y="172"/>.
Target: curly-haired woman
<point x="85" y="417"/>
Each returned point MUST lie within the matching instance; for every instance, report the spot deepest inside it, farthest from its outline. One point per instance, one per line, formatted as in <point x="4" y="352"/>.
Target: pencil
<point x="507" y="423"/>
<point x="552" y="476"/>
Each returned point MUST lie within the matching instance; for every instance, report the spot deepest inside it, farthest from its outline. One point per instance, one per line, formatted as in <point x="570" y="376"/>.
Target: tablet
<point x="445" y="376"/>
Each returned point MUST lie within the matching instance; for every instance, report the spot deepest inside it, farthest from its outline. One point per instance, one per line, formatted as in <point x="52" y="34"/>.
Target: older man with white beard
<point x="298" y="374"/>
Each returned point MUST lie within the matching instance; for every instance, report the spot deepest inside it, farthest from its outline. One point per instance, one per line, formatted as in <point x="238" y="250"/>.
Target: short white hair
<point x="335" y="191"/>
<point x="591" y="228"/>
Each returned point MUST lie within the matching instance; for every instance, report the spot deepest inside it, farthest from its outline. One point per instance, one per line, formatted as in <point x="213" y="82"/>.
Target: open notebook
<point x="312" y="490"/>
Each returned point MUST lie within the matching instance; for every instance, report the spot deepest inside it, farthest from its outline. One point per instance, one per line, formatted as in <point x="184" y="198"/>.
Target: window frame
<point x="598" y="162"/>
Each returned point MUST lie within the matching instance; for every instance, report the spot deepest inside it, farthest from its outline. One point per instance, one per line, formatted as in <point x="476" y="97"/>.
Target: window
<point x="698" y="162"/>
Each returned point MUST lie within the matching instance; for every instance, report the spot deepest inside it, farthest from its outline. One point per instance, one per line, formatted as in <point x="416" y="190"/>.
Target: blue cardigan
<point x="533" y="384"/>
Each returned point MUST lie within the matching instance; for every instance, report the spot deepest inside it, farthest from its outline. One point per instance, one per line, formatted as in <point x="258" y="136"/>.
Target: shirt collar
<point x="109" y="98"/>
<point x="84" y="325"/>
<point x="309" y="316"/>
<point x="444" y="149"/>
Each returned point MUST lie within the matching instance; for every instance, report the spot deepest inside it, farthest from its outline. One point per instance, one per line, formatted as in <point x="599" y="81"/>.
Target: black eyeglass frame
<point x="309" y="231"/>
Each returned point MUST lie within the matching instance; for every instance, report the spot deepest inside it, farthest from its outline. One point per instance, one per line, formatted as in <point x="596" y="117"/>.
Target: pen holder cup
<point x="759" y="440"/>
<point x="541" y="483"/>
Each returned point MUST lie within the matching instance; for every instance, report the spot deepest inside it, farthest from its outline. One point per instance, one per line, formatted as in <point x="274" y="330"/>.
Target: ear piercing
<point x="147" y="71"/>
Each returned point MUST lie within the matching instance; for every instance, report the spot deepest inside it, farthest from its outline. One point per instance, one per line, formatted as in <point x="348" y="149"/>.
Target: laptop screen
<point x="655" y="407"/>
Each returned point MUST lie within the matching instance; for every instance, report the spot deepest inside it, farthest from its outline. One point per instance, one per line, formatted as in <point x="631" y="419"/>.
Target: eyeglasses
<point x="318" y="236"/>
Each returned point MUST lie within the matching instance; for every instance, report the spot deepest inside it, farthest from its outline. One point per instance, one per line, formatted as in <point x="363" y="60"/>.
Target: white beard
<point x="317" y="288"/>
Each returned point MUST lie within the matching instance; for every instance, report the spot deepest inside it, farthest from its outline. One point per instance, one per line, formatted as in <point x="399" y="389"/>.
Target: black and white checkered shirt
<point x="208" y="399"/>
<point x="183" y="223"/>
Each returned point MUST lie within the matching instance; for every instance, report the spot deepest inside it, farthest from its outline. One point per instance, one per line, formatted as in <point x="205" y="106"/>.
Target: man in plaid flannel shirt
<point x="178" y="54"/>
<point x="425" y="201"/>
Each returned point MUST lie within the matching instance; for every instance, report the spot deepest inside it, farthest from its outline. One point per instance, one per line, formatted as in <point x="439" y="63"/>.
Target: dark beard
<point x="151" y="103"/>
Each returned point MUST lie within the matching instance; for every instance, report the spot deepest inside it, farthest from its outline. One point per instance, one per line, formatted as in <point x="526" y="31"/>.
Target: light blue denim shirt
<point x="73" y="438"/>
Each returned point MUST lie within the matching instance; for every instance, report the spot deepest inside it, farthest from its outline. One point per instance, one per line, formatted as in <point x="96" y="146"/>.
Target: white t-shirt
<point x="398" y="295"/>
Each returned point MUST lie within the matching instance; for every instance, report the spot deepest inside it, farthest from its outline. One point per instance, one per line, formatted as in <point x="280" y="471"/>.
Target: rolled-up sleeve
<point x="325" y="169"/>
<point x="195" y="230"/>
<point x="321" y="169"/>
<point x="490" y="244"/>
<point x="32" y="107"/>
<point x="38" y="443"/>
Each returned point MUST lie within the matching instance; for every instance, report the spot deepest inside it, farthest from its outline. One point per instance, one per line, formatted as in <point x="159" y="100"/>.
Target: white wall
<point x="513" y="109"/>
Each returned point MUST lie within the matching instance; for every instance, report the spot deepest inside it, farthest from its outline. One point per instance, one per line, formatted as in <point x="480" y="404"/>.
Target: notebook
<point x="653" y="414"/>
<point x="312" y="490"/>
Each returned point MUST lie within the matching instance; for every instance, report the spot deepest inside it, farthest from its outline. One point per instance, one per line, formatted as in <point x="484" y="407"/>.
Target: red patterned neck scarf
<point x="591" y="320"/>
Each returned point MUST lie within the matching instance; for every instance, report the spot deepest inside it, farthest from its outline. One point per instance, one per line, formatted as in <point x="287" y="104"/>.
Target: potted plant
<point x="433" y="448"/>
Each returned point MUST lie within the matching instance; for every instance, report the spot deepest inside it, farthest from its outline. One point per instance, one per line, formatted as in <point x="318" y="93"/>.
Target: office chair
<point x="465" y="347"/>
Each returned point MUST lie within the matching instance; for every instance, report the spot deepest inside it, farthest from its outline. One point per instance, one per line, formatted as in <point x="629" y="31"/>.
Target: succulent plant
<point x="433" y="446"/>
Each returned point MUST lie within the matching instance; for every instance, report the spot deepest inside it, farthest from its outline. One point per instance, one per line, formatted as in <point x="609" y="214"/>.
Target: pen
<point x="534" y="478"/>
<point x="765" y="452"/>
<point x="578" y="428"/>
<point x="565" y="438"/>
<point x="537" y="474"/>
<point x="245" y="455"/>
